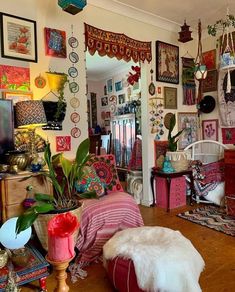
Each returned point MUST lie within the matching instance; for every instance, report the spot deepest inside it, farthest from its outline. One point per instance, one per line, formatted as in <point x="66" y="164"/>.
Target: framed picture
<point x="18" y="38"/>
<point x="118" y="86"/>
<point x="210" y="83"/>
<point x="170" y="98"/>
<point x="14" y="78"/>
<point x="16" y="96"/>
<point x="104" y="101"/>
<point x="209" y="59"/>
<point x="110" y="85"/>
<point x="160" y="149"/>
<point x="63" y="143"/>
<point x="107" y="123"/>
<point x="189" y="122"/>
<point x="55" y="42"/>
<point x="228" y="135"/>
<point x="210" y="130"/>
<point x="167" y="63"/>
<point x="121" y="98"/>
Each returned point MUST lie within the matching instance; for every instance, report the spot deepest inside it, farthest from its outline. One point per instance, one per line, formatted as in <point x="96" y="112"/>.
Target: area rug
<point x="212" y="217"/>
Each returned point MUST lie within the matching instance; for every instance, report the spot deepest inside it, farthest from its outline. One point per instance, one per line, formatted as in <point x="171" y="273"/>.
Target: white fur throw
<point x="164" y="259"/>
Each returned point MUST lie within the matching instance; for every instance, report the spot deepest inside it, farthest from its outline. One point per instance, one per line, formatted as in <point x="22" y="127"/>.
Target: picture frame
<point x="210" y="83"/>
<point x="55" y="42"/>
<point x="110" y="85"/>
<point x="121" y="98"/>
<point x="167" y="62"/>
<point x="209" y="59"/>
<point x="189" y="122"/>
<point x="118" y="86"/>
<point x="63" y="143"/>
<point x="16" y="96"/>
<point x="160" y="149"/>
<point x="170" y="97"/>
<point x="104" y="101"/>
<point x="14" y="78"/>
<point x="210" y="129"/>
<point x="18" y="38"/>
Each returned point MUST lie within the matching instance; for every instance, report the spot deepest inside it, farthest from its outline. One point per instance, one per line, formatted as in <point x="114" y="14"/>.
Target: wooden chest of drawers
<point x="229" y="159"/>
<point x="13" y="192"/>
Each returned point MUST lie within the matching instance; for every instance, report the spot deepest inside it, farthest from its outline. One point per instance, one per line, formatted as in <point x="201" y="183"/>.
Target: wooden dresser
<point x="229" y="159"/>
<point x="13" y="192"/>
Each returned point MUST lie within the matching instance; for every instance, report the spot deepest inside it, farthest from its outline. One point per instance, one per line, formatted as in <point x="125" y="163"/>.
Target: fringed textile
<point x="188" y="82"/>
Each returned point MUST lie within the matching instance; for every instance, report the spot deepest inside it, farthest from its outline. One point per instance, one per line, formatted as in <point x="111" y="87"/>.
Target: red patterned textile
<point x="213" y="172"/>
<point x="135" y="162"/>
<point x="116" y="45"/>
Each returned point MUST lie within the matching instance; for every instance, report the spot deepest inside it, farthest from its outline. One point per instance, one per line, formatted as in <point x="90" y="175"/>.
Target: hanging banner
<point x="188" y="82"/>
<point x="116" y="45"/>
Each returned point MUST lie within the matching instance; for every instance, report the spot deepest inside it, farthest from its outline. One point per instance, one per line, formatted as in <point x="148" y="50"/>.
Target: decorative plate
<point x="73" y="87"/>
<point x="152" y="88"/>
<point x="73" y="42"/>
<point x="40" y="82"/>
<point x="112" y="108"/>
<point x="75" y="117"/>
<point x="75" y="132"/>
<point x="74" y="102"/>
<point x="73" y="57"/>
<point x="73" y="72"/>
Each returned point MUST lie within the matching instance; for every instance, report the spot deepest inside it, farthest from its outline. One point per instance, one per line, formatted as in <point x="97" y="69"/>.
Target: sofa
<point x="101" y="218"/>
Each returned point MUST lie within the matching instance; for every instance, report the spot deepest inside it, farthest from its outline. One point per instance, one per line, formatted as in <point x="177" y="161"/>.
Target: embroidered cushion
<point x="105" y="167"/>
<point x="90" y="182"/>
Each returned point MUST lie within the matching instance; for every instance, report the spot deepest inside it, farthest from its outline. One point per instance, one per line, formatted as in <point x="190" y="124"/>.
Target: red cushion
<point x="121" y="273"/>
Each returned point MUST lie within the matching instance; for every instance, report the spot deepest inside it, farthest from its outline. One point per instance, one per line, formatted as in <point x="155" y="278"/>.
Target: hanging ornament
<point x="40" y="81"/>
<point x="156" y="118"/>
<point x="185" y="33"/>
<point x="152" y="87"/>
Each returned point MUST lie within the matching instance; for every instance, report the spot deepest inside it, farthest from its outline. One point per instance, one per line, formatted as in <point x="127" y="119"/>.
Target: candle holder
<point x="61" y="274"/>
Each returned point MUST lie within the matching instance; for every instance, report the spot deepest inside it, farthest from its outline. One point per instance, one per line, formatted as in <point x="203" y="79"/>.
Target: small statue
<point x="167" y="167"/>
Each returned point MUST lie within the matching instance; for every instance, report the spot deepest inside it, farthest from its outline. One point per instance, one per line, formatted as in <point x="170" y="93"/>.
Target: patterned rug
<point x="212" y="217"/>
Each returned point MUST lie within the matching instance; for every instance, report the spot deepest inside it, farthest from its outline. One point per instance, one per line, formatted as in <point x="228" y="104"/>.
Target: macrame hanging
<point x="188" y="82"/>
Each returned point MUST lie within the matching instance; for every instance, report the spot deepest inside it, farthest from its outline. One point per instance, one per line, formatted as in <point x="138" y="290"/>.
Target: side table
<point x="36" y="269"/>
<point x="168" y="176"/>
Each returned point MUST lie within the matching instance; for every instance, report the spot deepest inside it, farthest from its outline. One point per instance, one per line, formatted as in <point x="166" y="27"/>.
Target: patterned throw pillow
<point x="90" y="182"/>
<point x="105" y="167"/>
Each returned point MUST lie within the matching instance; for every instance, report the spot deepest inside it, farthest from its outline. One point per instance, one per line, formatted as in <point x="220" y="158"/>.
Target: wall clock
<point x="170" y="98"/>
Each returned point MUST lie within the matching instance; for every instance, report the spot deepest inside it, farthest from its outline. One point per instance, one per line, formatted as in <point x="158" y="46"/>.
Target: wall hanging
<point x="116" y="45"/>
<point x="185" y="33"/>
<point x="188" y="82"/>
<point x="55" y="42"/>
<point x="156" y="117"/>
<point x="14" y="78"/>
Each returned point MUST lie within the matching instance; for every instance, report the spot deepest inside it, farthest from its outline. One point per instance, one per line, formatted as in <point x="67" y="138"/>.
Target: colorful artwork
<point x="188" y="122"/>
<point x="228" y="135"/>
<point x="209" y="59"/>
<point x="210" y="130"/>
<point x="63" y="143"/>
<point x="14" y="78"/>
<point x="17" y="96"/>
<point x="55" y="42"/>
<point x="210" y="83"/>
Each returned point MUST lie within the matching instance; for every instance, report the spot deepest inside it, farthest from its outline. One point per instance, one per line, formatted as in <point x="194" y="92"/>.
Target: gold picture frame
<point x="170" y="97"/>
<point x="16" y="96"/>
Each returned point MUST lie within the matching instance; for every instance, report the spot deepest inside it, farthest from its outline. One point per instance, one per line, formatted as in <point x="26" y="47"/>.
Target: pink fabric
<point x="213" y="172"/>
<point x="99" y="221"/>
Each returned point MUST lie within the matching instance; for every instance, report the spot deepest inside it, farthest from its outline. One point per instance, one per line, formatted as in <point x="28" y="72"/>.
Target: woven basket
<point x="179" y="160"/>
<point x="40" y="226"/>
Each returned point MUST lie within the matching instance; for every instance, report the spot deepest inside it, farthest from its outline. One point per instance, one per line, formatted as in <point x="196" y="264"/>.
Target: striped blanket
<point x="100" y="219"/>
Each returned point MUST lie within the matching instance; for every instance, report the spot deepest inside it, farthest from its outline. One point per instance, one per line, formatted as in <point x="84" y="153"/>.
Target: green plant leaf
<point x="25" y="220"/>
<point x="44" y="208"/>
<point x="44" y="197"/>
<point x="88" y="195"/>
<point x="82" y="152"/>
<point x="66" y="166"/>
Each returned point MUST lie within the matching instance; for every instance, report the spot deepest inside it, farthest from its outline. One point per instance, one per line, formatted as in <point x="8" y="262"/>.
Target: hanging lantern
<point x="185" y="33"/>
<point x="72" y="6"/>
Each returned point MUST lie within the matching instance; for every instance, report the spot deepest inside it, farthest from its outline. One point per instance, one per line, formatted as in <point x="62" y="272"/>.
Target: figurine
<point x="167" y="167"/>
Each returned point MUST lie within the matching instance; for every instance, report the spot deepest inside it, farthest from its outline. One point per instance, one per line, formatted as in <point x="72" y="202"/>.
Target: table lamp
<point x="30" y="114"/>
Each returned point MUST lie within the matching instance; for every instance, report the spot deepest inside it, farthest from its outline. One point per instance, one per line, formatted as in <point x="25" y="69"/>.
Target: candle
<point x="60" y="237"/>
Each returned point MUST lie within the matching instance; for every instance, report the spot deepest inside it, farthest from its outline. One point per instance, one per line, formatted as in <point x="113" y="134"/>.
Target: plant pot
<point x="56" y="81"/>
<point x="179" y="160"/>
<point x="40" y="225"/>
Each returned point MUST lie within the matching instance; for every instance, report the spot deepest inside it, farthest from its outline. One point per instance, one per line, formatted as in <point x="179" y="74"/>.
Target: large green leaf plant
<point x="172" y="140"/>
<point x="63" y="185"/>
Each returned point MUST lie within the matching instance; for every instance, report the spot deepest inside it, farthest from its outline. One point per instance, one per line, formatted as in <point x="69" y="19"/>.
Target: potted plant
<point x="63" y="198"/>
<point x="178" y="159"/>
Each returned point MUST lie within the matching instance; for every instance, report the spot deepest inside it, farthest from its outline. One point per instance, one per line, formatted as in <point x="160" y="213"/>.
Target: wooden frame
<point x="210" y="129"/>
<point x="18" y="38"/>
<point x="189" y="122"/>
<point x="210" y="83"/>
<point x="16" y="96"/>
<point x="170" y="98"/>
<point x="121" y="98"/>
<point x="167" y="62"/>
<point x="104" y="101"/>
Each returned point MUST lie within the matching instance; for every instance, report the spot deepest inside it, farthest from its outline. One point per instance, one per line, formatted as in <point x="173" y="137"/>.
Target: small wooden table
<point x="168" y="176"/>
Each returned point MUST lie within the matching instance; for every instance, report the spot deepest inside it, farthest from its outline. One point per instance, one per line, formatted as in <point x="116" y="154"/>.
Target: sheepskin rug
<point x="164" y="259"/>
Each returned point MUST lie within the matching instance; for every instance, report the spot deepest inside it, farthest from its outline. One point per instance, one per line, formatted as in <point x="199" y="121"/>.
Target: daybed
<point x="103" y="217"/>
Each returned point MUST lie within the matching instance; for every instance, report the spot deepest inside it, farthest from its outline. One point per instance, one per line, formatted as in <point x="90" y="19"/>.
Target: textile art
<point x="116" y="45"/>
<point x="211" y="217"/>
<point x="105" y="167"/>
<point x="135" y="162"/>
<point x="188" y="81"/>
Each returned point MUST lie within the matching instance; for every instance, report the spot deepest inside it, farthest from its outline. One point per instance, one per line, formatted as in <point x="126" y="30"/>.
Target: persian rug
<point x="211" y="217"/>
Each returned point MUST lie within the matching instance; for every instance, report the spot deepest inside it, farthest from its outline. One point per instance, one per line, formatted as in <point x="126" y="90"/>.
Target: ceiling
<point x="172" y="12"/>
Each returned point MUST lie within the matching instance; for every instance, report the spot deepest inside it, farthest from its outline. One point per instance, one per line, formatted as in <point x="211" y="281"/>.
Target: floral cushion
<point x="105" y="167"/>
<point x="90" y="182"/>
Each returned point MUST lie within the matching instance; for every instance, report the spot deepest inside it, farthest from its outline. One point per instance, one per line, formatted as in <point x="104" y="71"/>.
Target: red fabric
<point x="213" y="172"/>
<point x="135" y="162"/>
<point x="121" y="273"/>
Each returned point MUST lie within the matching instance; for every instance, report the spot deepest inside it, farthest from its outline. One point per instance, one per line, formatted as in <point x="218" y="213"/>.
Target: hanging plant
<point x="221" y="24"/>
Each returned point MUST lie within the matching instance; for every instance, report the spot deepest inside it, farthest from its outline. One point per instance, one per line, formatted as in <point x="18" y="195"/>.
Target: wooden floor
<point x="217" y="250"/>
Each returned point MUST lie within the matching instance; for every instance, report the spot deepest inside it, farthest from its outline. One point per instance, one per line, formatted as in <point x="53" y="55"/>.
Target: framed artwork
<point x="107" y="123"/>
<point x="170" y="98"/>
<point x="209" y="59"/>
<point x="228" y="135"/>
<point x="14" y="78"/>
<point x="160" y="149"/>
<point x="118" y="86"/>
<point x="121" y="98"/>
<point x="167" y="62"/>
<point x="110" y="85"/>
<point x="18" y="38"/>
<point x="189" y="122"/>
<point x="55" y="42"/>
<point x="104" y="101"/>
<point x="210" y="83"/>
<point x="210" y="130"/>
<point x="63" y="143"/>
<point x="16" y="96"/>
